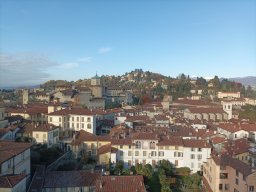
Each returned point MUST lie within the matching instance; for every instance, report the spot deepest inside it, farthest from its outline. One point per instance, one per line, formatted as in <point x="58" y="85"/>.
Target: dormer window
<point x="137" y="144"/>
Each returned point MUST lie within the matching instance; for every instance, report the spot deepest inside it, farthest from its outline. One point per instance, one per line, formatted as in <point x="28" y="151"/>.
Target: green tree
<point x="166" y="166"/>
<point x="147" y="171"/>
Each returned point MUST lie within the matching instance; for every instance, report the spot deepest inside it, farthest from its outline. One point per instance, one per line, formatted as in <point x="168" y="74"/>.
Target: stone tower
<point x="24" y="96"/>
<point x="227" y="107"/>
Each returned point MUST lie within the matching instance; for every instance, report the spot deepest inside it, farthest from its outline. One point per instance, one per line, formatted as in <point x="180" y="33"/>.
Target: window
<point x="192" y="149"/>
<point x="77" y="118"/>
<point x="121" y="153"/>
<point x="144" y="153"/>
<point x="82" y="125"/>
<point x="199" y="157"/>
<point x="82" y="119"/>
<point x="161" y="153"/>
<point x="73" y="126"/>
<point x="200" y="149"/>
<point x="235" y="135"/>
<point x="220" y="186"/>
<point x="153" y="153"/>
<point x="136" y="153"/>
<point x="175" y="154"/>
<point x="129" y="153"/>
<point x="89" y="126"/>
<point x="129" y="162"/>
<point x="176" y="163"/>
<point x="88" y="119"/>
<point x="237" y="181"/>
<point x="152" y="145"/>
<point x="237" y="173"/>
<point x="77" y="125"/>
<point x="130" y="146"/>
<point x="50" y="119"/>
<point x="121" y="146"/>
<point x="192" y="156"/>
<point x="223" y="175"/>
<point x="244" y="177"/>
<point x="59" y="119"/>
<point x="9" y="164"/>
<point x="226" y="187"/>
<point x="180" y="154"/>
<point x="73" y="118"/>
<point x="251" y="188"/>
<point x="137" y="144"/>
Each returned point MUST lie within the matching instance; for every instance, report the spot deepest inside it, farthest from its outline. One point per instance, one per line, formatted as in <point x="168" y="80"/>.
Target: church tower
<point x="227" y="107"/>
<point x="96" y="80"/>
<point x="24" y="96"/>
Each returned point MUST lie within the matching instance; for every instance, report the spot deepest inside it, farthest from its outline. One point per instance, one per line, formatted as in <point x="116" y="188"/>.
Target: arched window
<point x="137" y="144"/>
<point x="152" y="145"/>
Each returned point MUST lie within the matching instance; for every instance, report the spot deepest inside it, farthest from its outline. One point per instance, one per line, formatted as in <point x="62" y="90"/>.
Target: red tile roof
<point x="9" y="181"/>
<point x="121" y="184"/>
<point x="206" y="110"/>
<point x="64" y="179"/>
<point x="9" y="149"/>
<point x="196" y="143"/>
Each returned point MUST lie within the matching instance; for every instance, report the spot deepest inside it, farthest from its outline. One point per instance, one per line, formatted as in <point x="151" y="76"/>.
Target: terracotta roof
<point x="173" y="141"/>
<point x="82" y="136"/>
<point x="145" y="136"/>
<point x="196" y="143"/>
<point x="226" y="160"/>
<point x="161" y="118"/>
<point x="121" y="184"/>
<point x="230" y="127"/>
<point x="206" y="110"/>
<point x="35" y="109"/>
<point x="107" y="149"/>
<point x="9" y="181"/>
<point x="63" y="179"/>
<point x="9" y="149"/>
<point x="217" y="140"/>
<point x="136" y="118"/>
<point x="236" y="147"/>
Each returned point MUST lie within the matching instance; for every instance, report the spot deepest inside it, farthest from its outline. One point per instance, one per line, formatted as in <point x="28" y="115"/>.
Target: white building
<point x="14" y="158"/>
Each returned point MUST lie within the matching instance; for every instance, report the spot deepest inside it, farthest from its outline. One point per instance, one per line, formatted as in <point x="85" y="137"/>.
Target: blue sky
<point x="51" y="39"/>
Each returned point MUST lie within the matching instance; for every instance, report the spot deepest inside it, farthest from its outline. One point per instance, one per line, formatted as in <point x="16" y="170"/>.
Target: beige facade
<point x="228" y="174"/>
<point x="222" y="95"/>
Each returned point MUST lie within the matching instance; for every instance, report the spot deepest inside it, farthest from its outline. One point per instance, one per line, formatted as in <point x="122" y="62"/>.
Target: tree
<point x="147" y="171"/>
<point x="138" y="168"/>
<point x="166" y="166"/>
<point x="119" y="168"/>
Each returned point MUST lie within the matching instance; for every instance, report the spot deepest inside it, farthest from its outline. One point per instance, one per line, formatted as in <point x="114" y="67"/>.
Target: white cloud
<point x="24" y="69"/>
<point x="69" y="65"/>
<point x="104" y="50"/>
<point x="84" y="60"/>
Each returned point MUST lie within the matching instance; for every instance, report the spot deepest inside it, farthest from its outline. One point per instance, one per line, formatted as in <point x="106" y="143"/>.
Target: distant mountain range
<point x="250" y="80"/>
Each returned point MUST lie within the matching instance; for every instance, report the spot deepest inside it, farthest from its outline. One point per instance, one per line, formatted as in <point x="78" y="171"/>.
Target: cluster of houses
<point x="93" y="96"/>
<point x="205" y="137"/>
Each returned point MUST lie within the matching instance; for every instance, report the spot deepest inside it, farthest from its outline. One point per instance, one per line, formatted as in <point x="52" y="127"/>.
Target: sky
<point x="74" y="39"/>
